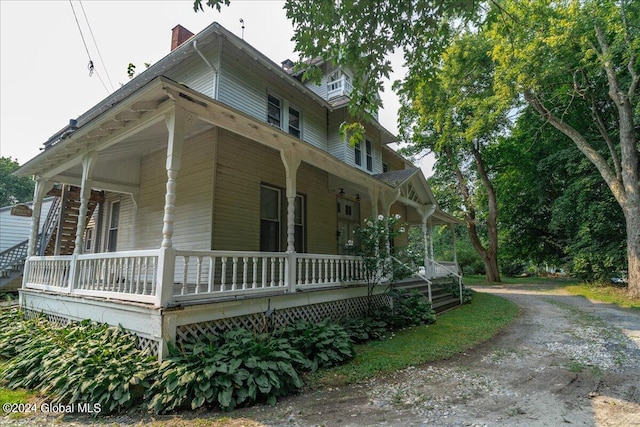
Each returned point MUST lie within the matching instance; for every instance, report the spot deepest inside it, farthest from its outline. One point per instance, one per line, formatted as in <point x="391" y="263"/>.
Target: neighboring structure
<point x="15" y="225"/>
<point x="212" y="190"/>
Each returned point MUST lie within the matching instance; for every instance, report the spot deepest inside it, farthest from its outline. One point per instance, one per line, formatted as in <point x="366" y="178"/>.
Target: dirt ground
<point x="564" y="361"/>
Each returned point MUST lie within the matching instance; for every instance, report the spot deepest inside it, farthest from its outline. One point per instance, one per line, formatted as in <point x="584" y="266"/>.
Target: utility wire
<point x="96" y="45"/>
<point x="90" y="65"/>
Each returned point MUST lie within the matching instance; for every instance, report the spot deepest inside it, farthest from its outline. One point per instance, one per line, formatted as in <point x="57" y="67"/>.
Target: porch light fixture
<point x="357" y="197"/>
<point x="341" y="193"/>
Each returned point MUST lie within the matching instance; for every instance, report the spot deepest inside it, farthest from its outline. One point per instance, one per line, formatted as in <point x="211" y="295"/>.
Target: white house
<point x="211" y="189"/>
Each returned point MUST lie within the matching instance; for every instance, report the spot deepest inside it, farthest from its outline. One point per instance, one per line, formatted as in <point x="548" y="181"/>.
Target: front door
<point x="348" y="221"/>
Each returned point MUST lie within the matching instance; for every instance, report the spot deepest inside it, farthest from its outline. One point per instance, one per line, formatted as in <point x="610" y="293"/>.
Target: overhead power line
<point x="90" y="65"/>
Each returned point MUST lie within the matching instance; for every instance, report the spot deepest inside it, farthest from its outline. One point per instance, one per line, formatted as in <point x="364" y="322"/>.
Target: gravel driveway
<point x="564" y="361"/>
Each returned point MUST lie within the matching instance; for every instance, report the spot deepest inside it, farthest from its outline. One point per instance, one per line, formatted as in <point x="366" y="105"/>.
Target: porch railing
<point x="153" y="276"/>
<point x="128" y="276"/>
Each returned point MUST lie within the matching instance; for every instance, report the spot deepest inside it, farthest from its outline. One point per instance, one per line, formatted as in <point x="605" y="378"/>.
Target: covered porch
<point x="164" y="273"/>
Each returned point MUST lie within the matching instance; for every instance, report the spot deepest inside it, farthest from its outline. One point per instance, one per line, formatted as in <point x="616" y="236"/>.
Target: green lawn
<point x="453" y="333"/>
<point x="603" y="292"/>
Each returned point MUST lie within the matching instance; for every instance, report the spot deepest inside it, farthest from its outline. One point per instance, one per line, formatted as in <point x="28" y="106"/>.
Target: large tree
<point x="454" y="113"/>
<point x="566" y="55"/>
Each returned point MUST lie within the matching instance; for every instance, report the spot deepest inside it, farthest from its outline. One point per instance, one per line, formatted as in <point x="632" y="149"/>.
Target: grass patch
<point x="453" y="333"/>
<point x="477" y="280"/>
<point x="14" y="396"/>
<point x="604" y="293"/>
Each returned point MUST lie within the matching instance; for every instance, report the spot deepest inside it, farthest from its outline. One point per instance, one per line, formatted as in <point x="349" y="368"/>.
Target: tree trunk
<point x="632" y="216"/>
<point x="489" y="255"/>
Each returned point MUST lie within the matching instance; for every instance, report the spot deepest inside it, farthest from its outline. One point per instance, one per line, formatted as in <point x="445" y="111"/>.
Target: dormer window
<point x="339" y="84"/>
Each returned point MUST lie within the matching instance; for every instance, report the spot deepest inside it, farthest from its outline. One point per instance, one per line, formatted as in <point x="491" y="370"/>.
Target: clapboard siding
<point x="335" y="144"/>
<point x="194" y="192"/>
<point x="16" y="229"/>
<point x="243" y="166"/>
<point x="242" y="88"/>
<point x="195" y="73"/>
<point x="393" y="160"/>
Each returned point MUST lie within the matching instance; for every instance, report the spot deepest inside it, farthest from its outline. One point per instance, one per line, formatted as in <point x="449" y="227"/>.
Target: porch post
<point x="41" y="188"/>
<point x="425" y="213"/>
<point x="291" y="163"/>
<point x="88" y="163"/>
<point x="175" y="121"/>
<point x="431" y="254"/>
<point x="374" y="194"/>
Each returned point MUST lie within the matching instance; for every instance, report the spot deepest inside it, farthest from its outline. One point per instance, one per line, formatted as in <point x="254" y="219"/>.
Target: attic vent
<point x="179" y="35"/>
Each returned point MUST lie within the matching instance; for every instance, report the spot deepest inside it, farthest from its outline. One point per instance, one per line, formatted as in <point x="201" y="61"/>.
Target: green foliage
<point x="454" y="288"/>
<point x="410" y="308"/>
<point x="239" y="369"/>
<point x="324" y="344"/>
<point x="456" y="331"/>
<point x="13" y="189"/>
<point x="362" y="329"/>
<point x="374" y="248"/>
<point x="81" y="362"/>
<point x="354" y="133"/>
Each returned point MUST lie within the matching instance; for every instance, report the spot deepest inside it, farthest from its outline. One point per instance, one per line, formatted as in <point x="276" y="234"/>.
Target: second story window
<point x="294" y="122"/>
<point x="358" y="153"/>
<point x="274" y="111"/>
<point x="369" y="148"/>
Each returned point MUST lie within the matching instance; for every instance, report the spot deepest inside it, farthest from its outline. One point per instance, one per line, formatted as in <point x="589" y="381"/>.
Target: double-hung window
<point x="273" y="220"/>
<point x="369" y="148"/>
<point x="294" y="122"/>
<point x="368" y="155"/>
<point x="274" y="110"/>
<point x="270" y="212"/>
<point x="357" y="152"/>
<point x="114" y="220"/>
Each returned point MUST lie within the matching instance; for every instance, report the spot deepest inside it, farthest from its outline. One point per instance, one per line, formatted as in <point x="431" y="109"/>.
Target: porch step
<point x="441" y="298"/>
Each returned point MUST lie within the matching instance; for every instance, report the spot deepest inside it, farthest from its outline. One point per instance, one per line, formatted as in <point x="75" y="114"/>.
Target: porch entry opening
<point x="348" y="212"/>
<point x="273" y="220"/>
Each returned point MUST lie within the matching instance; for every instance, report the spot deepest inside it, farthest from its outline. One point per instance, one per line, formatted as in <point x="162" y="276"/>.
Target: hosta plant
<point x="325" y="344"/>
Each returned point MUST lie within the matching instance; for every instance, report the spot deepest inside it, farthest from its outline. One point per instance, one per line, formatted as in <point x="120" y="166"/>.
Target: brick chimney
<point x="179" y="35"/>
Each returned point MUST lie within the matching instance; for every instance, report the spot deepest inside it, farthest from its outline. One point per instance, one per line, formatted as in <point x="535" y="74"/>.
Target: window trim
<point x="369" y="155"/>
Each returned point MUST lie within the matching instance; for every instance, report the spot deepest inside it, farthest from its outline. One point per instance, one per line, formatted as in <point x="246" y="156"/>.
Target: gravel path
<point x="564" y="361"/>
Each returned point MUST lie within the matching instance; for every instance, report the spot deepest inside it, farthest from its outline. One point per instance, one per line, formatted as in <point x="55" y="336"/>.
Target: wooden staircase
<point x="441" y="297"/>
<point x="63" y="235"/>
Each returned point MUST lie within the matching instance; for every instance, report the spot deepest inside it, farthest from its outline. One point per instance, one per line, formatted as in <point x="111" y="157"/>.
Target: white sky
<point x="44" y="80"/>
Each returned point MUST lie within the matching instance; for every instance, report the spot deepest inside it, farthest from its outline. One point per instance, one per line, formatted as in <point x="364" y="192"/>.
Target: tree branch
<point x="605" y="135"/>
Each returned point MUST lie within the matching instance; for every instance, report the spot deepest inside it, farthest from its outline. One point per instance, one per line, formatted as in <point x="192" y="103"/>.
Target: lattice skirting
<point x="147" y="344"/>
<point x="263" y="322"/>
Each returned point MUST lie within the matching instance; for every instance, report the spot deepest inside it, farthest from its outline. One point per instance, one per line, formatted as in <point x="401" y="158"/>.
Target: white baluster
<point x="223" y="273"/>
<point x="254" y="283"/>
<point x="245" y="266"/>
<point x="234" y="277"/>
<point x="198" y="273"/>
<point x="183" y="289"/>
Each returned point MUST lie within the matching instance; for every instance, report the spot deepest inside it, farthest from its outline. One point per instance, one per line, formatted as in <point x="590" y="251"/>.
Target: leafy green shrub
<point x="364" y="329"/>
<point x="240" y="368"/>
<point x="81" y="362"/>
<point x="410" y="308"/>
<point x="325" y="344"/>
<point x="467" y="294"/>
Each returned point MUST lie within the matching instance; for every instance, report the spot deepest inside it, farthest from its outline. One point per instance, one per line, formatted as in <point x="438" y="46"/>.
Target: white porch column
<point x="41" y="188"/>
<point x="425" y="214"/>
<point x="291" y="163"/>
<point x="176" y="124"/>
<point x="175" y="121"/>
<point x="88" y="164"/>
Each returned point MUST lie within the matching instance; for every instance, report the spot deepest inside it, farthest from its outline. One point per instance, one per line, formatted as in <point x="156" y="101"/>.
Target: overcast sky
<point x="44" y="76"/>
